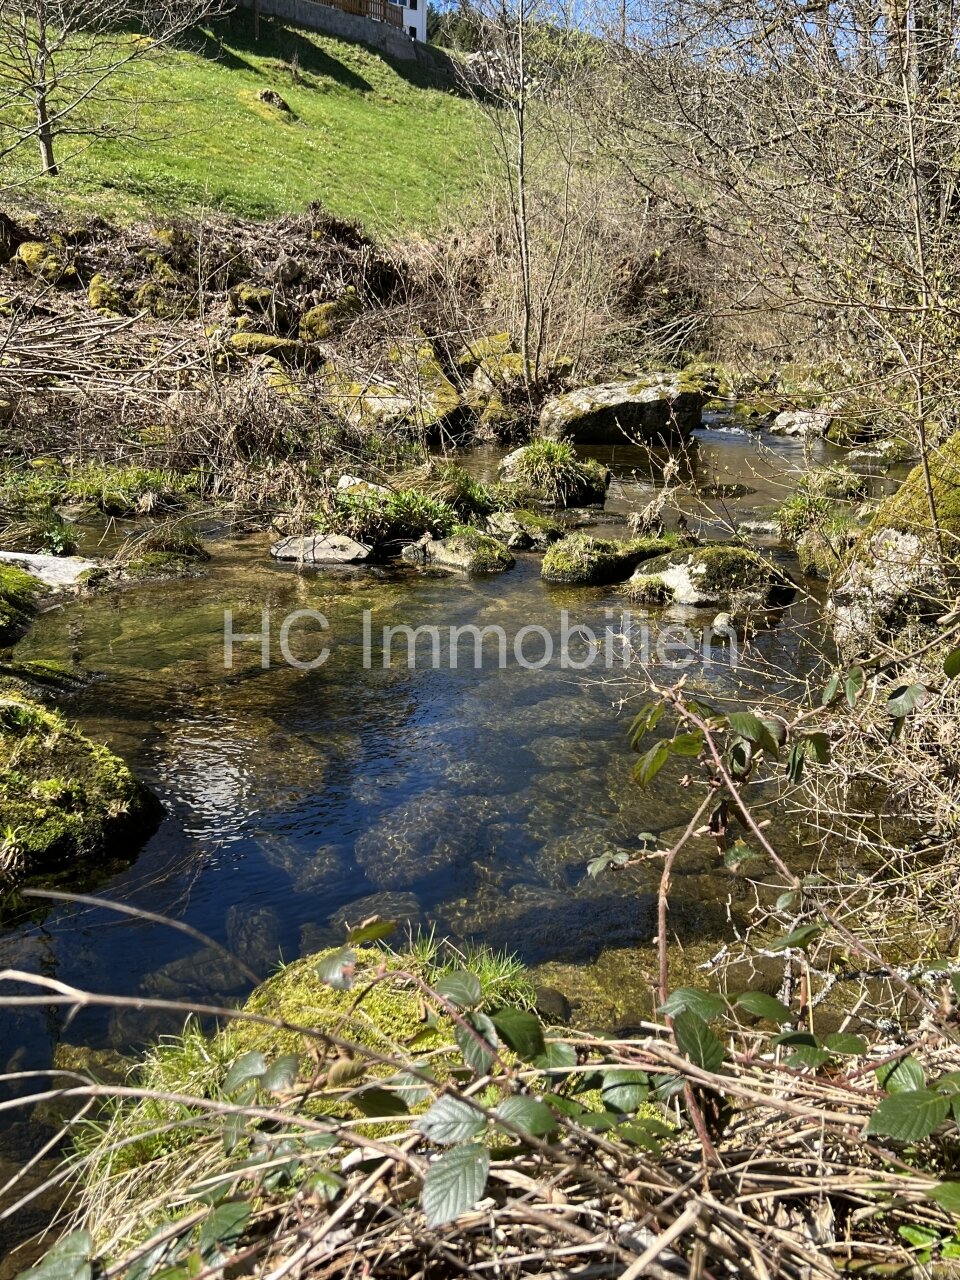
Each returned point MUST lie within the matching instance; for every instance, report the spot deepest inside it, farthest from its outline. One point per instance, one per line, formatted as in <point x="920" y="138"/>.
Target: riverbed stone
<point x="524" y="530"/>
<point x="53" y="571"/>
<point x="321" y="549"/>
<point x="580" y="560"/>
<point x="711" y="576"/>
<point x="253" y="936"/>
<point x="467" y="550"/>
<point x="802" y="422"/>
<point x="658" y="407"/>
<point x="403" y="909"/>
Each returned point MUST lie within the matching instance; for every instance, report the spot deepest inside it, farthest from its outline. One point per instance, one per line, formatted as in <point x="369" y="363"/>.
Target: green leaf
<point x="521" y="1031"/>
<point x="853" y="687"/>
<point x="337" y="968"/>
<point x="796" y="1037"/>
<point x="919" y="1237"/>
<point x="902" y="1076"/>
<point x="234" y="1128"/>
<point x="323" y="1184"/>
<point x="763" y="1006"/>
<point x="703" y="1002"/>
<point x="817" y="745"/>
<point x="651" y="762"/>
<point x="746" y="725"/>
<point x="947" y="1196"/>
<point x="70" y="1259"/>
<point x="454" y="1183"/>
<point x="478" y="1054"/>
<point x="377" y="1101"/>
<point x="696" y="1041"/>
<point x="282" y="1074"/>
<point x="951" y="664"/>
<point x="528" y="1115"/>
<point x="411" y="1088"/>
<point x="618" y="858"/>
<point x="249" y="1066"/>
<point x="905" y="699"/>
<point x="645" y="1133"/>
<point x="807" y="1057"/>
<point x="144" y="1265"/>
<point x="831" y="690"/>
<point x="687" y="744"/>
<point x="802" y="936"/>
<point x="371" y="932"/>
<point x="221" y="1230"/>
<point x="646" y="720"/>
<point x="450" y="1120"/>
<point x="843" y="1043"/>
<point x="625" y="1089"/>
<point x="909" y="1116"/>
<point x="740" y="857"/>
<point x="558" y="1055"/>
<point x="461" y="988"/>
<point x="795" y="758"/>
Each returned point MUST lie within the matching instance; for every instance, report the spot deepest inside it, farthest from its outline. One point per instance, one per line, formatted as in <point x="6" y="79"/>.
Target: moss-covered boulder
<point x="62" y="797"/>
<point x="895" y="576"/>
<point x="471" y="356"/>
<point x="835" y="482"/>
<point x="550" y="472"/>
<point x="580" y="560"/>
<point x="719" y="575"/>
<point x="658" y="407"/>
<point x="322" y="321"/>
<point x="823" y="548"/>
<point x="437" y="404"/>
<point x="466" y="549"/>
<point x="45" y="262"/>
<point x="524" y="530"/>
<point x="18" y="602"/>
<point x="105" y="298"/>
<point x="287" y="350"/>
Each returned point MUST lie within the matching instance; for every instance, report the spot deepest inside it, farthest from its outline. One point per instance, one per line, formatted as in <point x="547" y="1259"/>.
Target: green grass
<point x="372" y="139"/>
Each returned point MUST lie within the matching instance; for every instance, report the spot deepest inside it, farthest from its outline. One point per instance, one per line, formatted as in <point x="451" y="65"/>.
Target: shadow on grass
<point x="231" y="43"/>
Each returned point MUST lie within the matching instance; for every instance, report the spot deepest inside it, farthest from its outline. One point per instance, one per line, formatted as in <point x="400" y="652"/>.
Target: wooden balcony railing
<point x="378" y="10"/>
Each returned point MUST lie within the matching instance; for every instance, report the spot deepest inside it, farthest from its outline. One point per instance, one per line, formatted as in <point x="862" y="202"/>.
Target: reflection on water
<point x="299" y="799"/>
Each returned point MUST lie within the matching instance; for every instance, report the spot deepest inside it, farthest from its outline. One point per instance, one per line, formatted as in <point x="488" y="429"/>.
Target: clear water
<point x="469" y="799"/>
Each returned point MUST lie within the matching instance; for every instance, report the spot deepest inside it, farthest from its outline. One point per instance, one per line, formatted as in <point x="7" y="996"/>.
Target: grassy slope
<point x="367" y="137"/>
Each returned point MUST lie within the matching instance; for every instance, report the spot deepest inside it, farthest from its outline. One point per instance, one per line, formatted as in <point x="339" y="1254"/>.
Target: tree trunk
<point x="45" y="136"/>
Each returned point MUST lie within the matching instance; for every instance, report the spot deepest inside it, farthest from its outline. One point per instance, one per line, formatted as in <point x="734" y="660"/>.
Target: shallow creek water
<point x="472" y="799"/>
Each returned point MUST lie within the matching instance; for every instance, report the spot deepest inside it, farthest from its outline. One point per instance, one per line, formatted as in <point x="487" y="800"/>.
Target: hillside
<point x="367" y="137"/>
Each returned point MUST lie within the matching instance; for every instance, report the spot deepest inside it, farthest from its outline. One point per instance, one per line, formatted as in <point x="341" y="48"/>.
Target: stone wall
<point x="349" y="26"/>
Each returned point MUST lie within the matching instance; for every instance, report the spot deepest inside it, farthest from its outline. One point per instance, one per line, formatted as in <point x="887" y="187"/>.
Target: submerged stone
<point x="466" y="549"/>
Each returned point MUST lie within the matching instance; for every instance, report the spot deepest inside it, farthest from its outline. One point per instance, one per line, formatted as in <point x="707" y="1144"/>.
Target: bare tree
<point x="60" y="59"/>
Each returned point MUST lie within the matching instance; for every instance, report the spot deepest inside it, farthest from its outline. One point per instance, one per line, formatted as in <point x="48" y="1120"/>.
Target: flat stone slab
<point x="323" y="548"/>
<point x="52" y="571"/>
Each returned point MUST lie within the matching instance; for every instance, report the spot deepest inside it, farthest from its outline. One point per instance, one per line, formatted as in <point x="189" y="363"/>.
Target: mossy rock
<point x="659" y="407"/>
<point x="580" y="560"/>
<point x="436" y="401"/>
<point x="524" y="530"/>
<point x="62" y="797"/>
<point x="823" y="550"/>
<point x="835" y="482"/>
<point x="386" y="1019"/>
<point x="43" y="261"/>
<point x="160" y="303"/>
<point x="104" y="297"/>
<point x="705" y="577"/>
<point x="909" y="510"/>
<point x="323" y="320"/>
<point x="250" y="297"/>
<point x="159" y="267"/>
<point x="287" y="350"/>
<point x="163" y="564"/>
<point x="549" y="472"/>
<point x="466" y="549"/>
<point x="470" y="357"/>
<point x="180" y="246"/>
<point x="19" y="592"/>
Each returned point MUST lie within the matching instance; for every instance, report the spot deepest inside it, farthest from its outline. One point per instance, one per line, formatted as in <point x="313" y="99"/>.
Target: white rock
<point x="52" y="571"/>
<point x="805" y="422"/>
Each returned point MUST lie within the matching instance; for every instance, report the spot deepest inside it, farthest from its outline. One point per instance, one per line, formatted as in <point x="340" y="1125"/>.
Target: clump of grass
<point x="446" y="482"/>
<point x="802" y="511"/>
<point x="378" y="518"/>
<point x="46" y="532"/>
<point x="551" y="470"/>
<point x="171" y="538"/>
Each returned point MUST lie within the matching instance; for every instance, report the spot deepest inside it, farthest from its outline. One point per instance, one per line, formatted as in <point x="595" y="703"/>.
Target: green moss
<point x="43" y="262"/>
<point x="580" y="560"/>
<point x="323" y="320"/>
<point x="908" y="509"/>
<point x="436" y="399"/>
<point x="62" y="796"/>
<point x="487" y="554"/>
<point x="157" y="302"/>
<point x="474" y="353"/>
<point x="160" y="269"/>
<point x="249" y="297"/>
<point x="649" y="588"/>
<point x="18" y="602"/>
<point x="822" y="550"/>
<point x="104" y="297"/>
<point x="289" y="350"/>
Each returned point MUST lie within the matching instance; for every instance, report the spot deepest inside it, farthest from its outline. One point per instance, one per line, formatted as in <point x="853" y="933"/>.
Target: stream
<point x="468" y="800"/>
